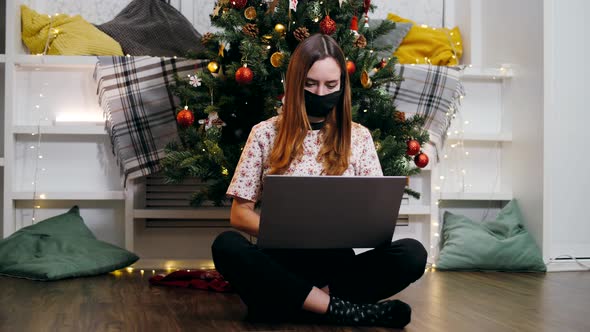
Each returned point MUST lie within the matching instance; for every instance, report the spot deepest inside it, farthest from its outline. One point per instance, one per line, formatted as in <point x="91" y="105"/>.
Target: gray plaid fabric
<point x="140" y="110"/>
<point x="153" y="27"/>
<point x="432" y="92"/>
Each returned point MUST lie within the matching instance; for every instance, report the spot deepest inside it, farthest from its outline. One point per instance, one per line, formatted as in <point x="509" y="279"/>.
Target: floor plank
<point x="441" y="301"/>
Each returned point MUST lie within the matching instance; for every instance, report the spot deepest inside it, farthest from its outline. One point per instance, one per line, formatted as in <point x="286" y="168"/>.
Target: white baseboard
<point x="568" y="265"/>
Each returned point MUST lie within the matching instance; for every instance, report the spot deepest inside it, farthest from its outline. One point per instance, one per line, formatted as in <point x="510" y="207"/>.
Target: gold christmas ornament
<point x="250" y="13"/>
<point x="280" y="29"/>
<point x="266" y="39"/>
<point x="213" y="66"/>
<point x="276" y="59"/>
<point x="366" y="80"/>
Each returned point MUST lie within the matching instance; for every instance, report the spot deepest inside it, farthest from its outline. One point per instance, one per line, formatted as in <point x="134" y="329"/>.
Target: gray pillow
<point x="153" y="27"/>
<point x="393" y="39"/>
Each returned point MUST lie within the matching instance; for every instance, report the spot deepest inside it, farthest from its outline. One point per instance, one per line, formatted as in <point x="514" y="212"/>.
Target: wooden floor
<point x="441" y="301"/>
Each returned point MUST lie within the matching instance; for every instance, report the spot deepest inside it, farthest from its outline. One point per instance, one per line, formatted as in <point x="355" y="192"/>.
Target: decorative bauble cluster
<point x="420" y="158"/>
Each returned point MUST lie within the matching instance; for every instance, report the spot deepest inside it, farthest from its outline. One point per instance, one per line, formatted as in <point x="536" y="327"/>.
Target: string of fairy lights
<point x="39" y="111"/>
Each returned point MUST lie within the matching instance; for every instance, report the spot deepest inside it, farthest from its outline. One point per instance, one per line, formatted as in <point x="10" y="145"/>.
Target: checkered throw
<point x="139" y="108"/>
<point x="433" y="92"/>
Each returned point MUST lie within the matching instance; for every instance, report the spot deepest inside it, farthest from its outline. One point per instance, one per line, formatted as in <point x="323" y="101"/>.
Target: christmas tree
<point x="243" y="86"/>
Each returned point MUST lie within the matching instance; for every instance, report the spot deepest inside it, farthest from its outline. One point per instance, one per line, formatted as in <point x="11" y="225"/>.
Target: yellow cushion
<point x="422" y="45"/>
<point x="75" y="36"/>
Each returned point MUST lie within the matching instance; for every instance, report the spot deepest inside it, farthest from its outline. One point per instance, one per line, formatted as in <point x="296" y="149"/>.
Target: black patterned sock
<point x="391" y="313"/>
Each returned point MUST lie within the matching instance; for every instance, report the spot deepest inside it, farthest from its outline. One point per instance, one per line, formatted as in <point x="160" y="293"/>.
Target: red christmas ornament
<point x="244" y="75"/>
<point x="238" y="4"/>
<point x="421" y="160"/>
<point x="350" y="67"/>
<point x="366" y="5"/>
<point x="413" y="147"/>
<point x="354" y="24"/>
<point x="185" y="117"/>
<point x="327" y="25"/>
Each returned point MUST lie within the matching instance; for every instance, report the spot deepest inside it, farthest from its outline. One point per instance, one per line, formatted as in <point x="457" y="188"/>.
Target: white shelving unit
<point x="69" y="163"/>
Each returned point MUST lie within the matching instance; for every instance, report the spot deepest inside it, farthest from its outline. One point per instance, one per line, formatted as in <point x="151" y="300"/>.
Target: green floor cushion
<point x="499" y="245"/>
<point x="60" y="247"/>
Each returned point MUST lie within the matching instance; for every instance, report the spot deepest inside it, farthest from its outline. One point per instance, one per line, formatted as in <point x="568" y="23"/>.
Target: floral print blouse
<point x="253" y="165"/>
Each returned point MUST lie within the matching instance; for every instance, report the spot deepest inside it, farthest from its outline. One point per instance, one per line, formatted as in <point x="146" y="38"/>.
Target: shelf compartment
<point x="480" y="137"/>
<point x="61" y="130"/>
<point x="209" y="213"/>
<point x="486" y="73"/>
<point x="414" y="210"/>
<point x="69" y="196"/>
<point x="464" y="196"/>
<point x="56" y="61"/>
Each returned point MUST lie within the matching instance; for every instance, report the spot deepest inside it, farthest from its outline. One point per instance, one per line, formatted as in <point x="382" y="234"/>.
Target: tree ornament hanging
<point x="238" y="4"/>
<point x="366" y="80"/>
<point x="350" y="67"/>
<point x="213" y="67"/>
<point x="354" y="25"/>
<point x="421" y="160"/>
<point x="328" y="25"/>
<point x="276" y="59"/>
<point x="314" y="10"/>
<point x="366" y="7"/>
<point x="250" y="13"/>
<point x="301" y="33"/>
<point x="207" y="37"/>
<point x="250" y="29"/>
<point x="400" y="116"/>
<point x="244" y="75"/>
<point x="360" y="42"/>
<point x="413" y="147"/>
<point x="266" y="39"/>
<point x="185" y="117"/>
<point x="280" y="29"/>
<point x="212" y="120"/>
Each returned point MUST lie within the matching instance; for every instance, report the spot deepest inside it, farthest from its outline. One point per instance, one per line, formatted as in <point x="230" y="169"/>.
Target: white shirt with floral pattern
<point x="253" y="164"/>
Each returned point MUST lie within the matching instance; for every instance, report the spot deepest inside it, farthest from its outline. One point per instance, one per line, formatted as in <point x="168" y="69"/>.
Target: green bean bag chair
<point x="60" y="247"/>
<point x="499" y="245"/>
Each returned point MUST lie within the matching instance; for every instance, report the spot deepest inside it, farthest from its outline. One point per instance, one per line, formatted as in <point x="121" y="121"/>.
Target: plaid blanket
<point x="433" y="92"/>
<point x="139" y="108"/>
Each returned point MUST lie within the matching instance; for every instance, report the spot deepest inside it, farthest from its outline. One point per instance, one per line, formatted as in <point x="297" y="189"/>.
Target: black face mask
<point x="320" y="106"/>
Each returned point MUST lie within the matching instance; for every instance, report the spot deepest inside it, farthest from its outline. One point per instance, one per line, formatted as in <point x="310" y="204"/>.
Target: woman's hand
<point x="243" y="217"/>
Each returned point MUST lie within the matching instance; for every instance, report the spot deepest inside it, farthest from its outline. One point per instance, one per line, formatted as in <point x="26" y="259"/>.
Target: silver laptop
<point x="315" y="212"/>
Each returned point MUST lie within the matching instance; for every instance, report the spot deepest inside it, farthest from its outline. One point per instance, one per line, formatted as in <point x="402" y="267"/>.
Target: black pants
<point x="276" y="282"/>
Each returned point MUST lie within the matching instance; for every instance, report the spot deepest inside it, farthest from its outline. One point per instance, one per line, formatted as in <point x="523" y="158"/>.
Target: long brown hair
<point x="293" y="123"/>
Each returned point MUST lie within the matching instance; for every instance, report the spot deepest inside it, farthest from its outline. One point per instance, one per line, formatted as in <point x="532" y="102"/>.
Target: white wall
<point x="567" y="115"/>
<point x="512" y="32"/>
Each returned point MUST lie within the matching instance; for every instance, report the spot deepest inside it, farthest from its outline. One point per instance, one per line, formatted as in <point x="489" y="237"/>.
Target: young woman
<point x="314" y="135"/>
